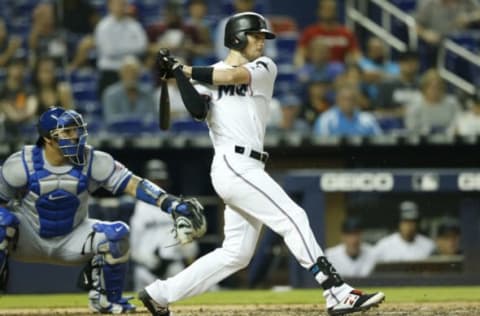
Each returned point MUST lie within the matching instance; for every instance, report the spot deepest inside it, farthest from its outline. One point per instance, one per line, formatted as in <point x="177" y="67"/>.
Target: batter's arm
<point x="197" y="104"/>
<point x="230" y="76"/>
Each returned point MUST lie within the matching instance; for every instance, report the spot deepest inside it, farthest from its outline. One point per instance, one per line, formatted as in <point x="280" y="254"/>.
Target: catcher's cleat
<point x="153" y="307"/>
<point x="98" y="303"/>
<point x="356" y="301"/>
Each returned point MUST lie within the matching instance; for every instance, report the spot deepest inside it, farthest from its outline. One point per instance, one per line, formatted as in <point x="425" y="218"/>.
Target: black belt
<point x="263" y="157"/>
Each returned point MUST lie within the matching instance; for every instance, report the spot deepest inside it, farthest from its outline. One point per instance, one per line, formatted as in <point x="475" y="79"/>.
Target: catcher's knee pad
<point x="116" y="246"/>
<point x="106" y="271"/>
<point x="8" y="234"/>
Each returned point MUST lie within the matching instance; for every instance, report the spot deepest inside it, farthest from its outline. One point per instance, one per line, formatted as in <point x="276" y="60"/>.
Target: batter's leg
<point x="262" y="198"/>
<point x="258" y="195"/>
<point x="241" y="234"/>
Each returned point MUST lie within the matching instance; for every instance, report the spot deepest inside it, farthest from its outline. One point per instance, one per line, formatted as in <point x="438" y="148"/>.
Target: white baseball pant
<point x="252" y="198"/>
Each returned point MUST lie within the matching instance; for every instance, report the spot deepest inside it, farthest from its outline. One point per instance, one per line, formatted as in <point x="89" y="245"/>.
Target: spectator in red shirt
<point x="340" y="40"/>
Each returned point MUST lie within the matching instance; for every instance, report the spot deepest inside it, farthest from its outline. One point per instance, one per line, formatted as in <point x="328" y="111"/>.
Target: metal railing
<point x="356" y="11"/>
<point x="450" y="76"/>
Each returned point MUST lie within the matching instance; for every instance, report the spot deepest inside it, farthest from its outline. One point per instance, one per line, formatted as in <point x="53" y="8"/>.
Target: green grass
<point x="394" y="295"/>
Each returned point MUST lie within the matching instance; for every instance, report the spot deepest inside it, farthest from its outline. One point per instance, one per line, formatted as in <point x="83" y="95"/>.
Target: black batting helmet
<point x="242" y="23"/>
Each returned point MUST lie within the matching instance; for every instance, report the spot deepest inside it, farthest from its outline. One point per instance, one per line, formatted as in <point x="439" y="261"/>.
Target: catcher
<point x="44" y="190"/>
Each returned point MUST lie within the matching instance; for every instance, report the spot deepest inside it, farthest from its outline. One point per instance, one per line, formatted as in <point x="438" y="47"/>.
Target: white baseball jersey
<point x="238" y="117"/>
<point x="360" y="266"/>
<point x="239" y="114"/>
<point x="395" y="248"/>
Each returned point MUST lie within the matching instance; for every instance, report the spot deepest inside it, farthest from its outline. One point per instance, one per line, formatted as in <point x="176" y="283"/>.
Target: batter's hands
<point x="164" y="64"/>
<point x="189" y="220"/>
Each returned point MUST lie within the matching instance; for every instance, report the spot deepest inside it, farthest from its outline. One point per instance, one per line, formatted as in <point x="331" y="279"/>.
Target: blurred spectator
<point x="345" y="118"/>
<point x="17" y="103"/>
<point x="182" y="39"/>
<point x="395" y="95"/>
<point x="240" y="6"/>
<point x="9" y="45"/>
<point x="353" y="76"/>
<point x="468" y="122"/>
<point x="406" y="244"/>
<point x="49" y="92"/>
<point x="448" y="237"/>
<point x="117" y="35"/>
<point x="77" y="17"/>
<point x="352" y="258"/>
<point x="284" y="112"/>
<point x="438" y="18"/>
<point x="45" y="39"/>
<point x="340" y="40"/>
<point x="318" y="63"/>
<point x="376" y="66"/>
<point x="318" y="100"/>
<point x="155" y="250"/>
<point x="433" y="111"/>
<point x="197" y="10"/>
<point x="128" y="99"/>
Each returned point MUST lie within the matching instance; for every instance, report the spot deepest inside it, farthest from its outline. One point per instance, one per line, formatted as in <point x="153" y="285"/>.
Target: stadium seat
<point x="458" y="65"/>
<point x="84" y="88"/>
<point x="286" y="46"/>
<point x="100" y="6"/>
<point x="89" y="107"/>
<point x="286" y="81"/>
<point x="227" y="8"/>
<point x="406" y="5"/>
<point x="390" y="124"/>
<point x="133" y="126"/>
<point x="188" y="125"/>
<point x="148" y="11"/>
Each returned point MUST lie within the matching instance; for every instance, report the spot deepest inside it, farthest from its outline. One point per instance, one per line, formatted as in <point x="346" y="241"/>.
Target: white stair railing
<point x="453" y="78"/>
<point x="356" y="11"/>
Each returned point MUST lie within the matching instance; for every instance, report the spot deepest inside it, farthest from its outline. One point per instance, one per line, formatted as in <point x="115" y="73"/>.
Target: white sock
<point x="336" y="294"/>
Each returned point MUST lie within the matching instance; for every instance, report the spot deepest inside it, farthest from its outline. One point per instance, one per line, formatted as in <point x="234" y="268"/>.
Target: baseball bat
<point x="164" y="106"/>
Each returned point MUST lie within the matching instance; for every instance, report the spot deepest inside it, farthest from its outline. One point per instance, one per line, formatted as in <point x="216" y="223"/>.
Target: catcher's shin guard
<point x="105" y="274"/>
<point x="8" y="234"/>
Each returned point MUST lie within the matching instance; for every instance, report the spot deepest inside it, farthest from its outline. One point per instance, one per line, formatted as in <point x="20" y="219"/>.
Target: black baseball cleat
<point x="153" y="307"/>
<point x="356" y="301"/>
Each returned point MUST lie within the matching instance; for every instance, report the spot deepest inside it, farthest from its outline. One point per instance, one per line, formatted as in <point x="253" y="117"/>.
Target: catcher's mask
<point x="242" y="23"/>
<point x="69" y="129"/>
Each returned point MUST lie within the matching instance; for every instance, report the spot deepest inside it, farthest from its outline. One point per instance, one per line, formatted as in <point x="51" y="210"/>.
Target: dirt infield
<point x="427" y="309"/>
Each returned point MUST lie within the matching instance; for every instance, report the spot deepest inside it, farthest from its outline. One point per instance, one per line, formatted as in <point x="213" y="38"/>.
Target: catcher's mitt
<point x="164" y="64"/>
<point x="189" y="220"/>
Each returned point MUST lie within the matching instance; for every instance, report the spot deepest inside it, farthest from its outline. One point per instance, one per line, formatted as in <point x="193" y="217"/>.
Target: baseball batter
<point x="44" y="189"/>
<point x="234" y="100"/>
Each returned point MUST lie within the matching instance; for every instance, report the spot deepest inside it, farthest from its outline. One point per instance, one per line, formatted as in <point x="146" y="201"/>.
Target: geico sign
<point x="469" y="181"/>
<point x="332" y="181"/>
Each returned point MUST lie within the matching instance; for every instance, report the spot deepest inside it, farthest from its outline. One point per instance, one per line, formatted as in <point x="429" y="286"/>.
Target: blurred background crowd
<point x="97" y="57"/>
<point x="338" y="75"/>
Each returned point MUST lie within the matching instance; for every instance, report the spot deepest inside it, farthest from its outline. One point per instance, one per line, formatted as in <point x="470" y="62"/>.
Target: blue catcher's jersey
<point x="54" y="199"/>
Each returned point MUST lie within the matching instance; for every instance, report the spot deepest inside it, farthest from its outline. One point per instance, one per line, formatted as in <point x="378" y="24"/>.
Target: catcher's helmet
<point x="242" y="23"/>
<point x="68" y="128"/>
